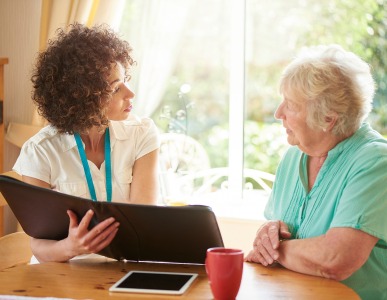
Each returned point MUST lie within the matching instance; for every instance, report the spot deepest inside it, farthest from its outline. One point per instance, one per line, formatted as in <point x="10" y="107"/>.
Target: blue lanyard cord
<point x="86" y="168"/>
<point x="108" y="167"/>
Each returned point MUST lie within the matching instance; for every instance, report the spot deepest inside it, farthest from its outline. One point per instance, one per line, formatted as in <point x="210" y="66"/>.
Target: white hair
<point x="333" y="83"/>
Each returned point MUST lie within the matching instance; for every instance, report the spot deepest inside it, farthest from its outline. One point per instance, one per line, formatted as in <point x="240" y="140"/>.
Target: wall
<point x="19" y="41"/>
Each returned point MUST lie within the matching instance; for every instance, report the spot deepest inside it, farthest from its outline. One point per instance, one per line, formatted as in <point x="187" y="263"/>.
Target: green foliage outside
<point x="265" y="144"/>
<point x="359" y="26"/>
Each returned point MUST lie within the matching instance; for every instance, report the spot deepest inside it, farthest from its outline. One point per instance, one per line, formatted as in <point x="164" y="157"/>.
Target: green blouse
<point x="350" y="191"/>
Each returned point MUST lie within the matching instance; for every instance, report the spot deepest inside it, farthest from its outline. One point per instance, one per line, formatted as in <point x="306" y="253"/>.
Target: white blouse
<point x="54" y="158"/>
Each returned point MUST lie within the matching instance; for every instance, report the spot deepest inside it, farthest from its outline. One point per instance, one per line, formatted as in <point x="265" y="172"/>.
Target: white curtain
<point x="155" y="33"/>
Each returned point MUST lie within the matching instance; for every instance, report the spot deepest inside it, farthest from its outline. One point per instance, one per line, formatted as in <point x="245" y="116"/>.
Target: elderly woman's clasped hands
<point x="267" y="242"/>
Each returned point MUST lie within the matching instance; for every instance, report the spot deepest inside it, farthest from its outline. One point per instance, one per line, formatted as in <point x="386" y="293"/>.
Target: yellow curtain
<point x="59" y="13"/>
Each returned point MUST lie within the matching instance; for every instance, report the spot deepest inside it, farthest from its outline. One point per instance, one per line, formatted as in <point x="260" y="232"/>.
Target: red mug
<point x="224" y="267"/>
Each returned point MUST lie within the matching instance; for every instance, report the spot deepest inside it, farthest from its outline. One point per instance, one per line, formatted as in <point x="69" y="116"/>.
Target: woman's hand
<point x="267" y="242"/>
<point x="82" y="241"/>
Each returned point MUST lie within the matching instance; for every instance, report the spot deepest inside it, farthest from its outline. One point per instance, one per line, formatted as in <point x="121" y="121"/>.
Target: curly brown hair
<point x="70" y="83"/>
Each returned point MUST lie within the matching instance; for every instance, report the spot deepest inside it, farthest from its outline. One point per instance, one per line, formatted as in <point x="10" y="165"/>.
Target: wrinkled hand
<point x="82" y="241"/>
<point x="267" y="242"/>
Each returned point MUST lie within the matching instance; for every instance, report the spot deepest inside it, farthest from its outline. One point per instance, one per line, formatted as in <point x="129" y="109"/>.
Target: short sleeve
<point x="33" y="162"/>
<point x="148" y="138"/>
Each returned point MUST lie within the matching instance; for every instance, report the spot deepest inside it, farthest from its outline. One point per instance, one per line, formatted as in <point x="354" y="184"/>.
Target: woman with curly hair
<point x="93" y="147"/>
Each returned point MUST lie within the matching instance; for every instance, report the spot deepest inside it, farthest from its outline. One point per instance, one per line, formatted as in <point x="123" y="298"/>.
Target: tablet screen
<point x="154" y="282"/>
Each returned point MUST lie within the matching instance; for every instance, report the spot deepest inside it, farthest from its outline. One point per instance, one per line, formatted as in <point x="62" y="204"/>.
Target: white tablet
<point x="154" y="282"/>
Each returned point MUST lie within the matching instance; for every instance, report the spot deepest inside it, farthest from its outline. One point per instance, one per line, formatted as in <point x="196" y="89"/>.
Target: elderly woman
<point x="327" y="211"/>
<point x="94" y="147"/>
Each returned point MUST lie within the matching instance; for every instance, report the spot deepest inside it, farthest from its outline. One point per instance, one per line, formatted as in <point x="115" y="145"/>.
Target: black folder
<point x="147" y="233"/>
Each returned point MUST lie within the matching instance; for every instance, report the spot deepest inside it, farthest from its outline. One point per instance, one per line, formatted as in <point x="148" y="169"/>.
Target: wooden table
<point x="91" y="279"/>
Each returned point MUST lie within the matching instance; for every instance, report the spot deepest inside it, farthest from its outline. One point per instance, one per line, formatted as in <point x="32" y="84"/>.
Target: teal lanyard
<point x="86" y="168"/>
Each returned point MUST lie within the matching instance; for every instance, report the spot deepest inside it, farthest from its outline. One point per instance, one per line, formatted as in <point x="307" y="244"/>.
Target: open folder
<point x="180" y="234"/>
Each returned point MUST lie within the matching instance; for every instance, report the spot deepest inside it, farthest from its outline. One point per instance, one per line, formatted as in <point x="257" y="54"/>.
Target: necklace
<point x="86" y="168"/>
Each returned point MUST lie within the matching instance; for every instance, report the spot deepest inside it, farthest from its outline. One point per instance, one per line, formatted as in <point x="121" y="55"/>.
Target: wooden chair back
<point x="15" y="249"/>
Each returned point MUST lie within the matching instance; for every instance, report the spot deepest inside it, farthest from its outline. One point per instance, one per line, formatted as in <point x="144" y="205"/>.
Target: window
<point x="208" y="74"/>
